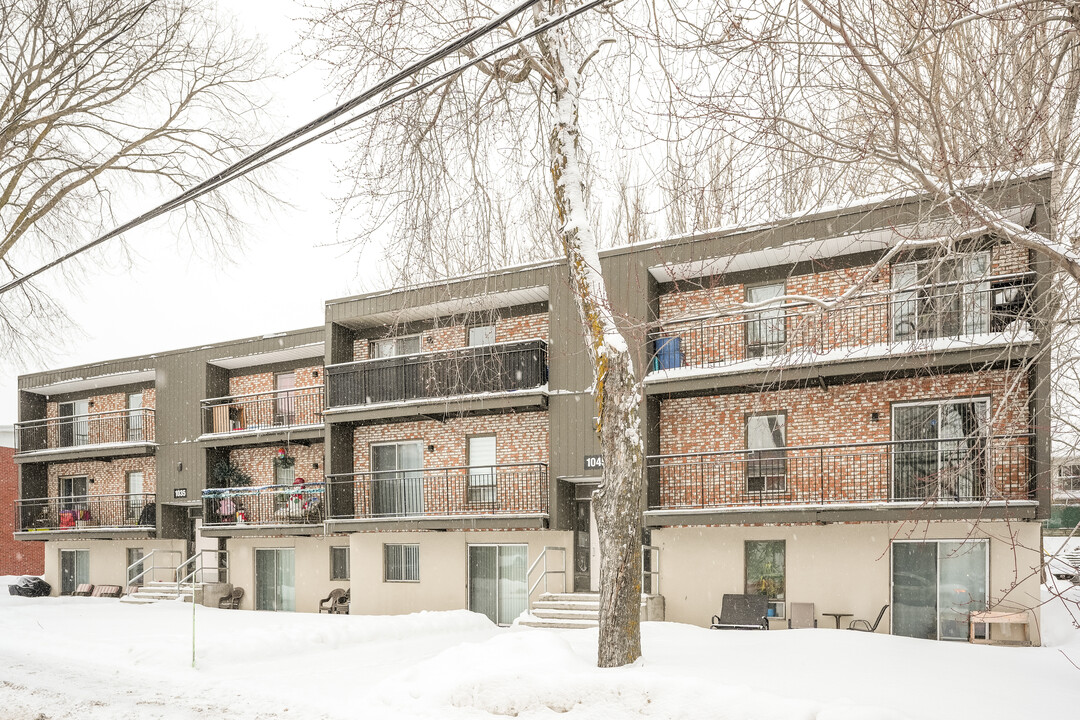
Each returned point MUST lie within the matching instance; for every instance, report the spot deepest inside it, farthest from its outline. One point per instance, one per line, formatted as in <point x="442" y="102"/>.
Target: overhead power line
<point x="296" y="139"/>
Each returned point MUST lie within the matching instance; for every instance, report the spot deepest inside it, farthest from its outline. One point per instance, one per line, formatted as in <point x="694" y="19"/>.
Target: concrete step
<point x="559" y="624"/>
<point x="564" y="614"/>
<point x="570" y="597"/>
<point x="566" y="605"/>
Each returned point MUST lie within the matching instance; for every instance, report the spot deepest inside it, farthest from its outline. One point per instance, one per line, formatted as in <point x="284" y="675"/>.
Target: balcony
<point x="487" y="370"/>
<point x="87" y="513"/>
<point x="95" y="434"/>
<point x="259" y="413"/>
<point x="936" y="317"/>
<point x="299" y="504"/>
<point x="915" y="473"/>
<point x="441" y="494"/>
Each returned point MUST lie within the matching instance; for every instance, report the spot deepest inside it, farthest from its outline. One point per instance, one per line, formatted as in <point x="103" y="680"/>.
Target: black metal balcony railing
<point x="73" y="431"/>
<point x="519" y="489"/>
<point x="914" y="315"/>
<point x="923" y="471"/>
<point x="83" y="512"/>
<point x="265" y="410"/>
<point x="302" y="503"/>
<point x="464" y="371"/>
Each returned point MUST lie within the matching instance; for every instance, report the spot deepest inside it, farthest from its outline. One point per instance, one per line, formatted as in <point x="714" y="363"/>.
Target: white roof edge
<point x="94" y="383"/>
<point x="297" y="352"/>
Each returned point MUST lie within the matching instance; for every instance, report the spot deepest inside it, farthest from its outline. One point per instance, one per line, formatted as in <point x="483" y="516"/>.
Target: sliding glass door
<point x="74" y="570"/>
<point x="498" y="586"/>
<point x="935" y="585"/>
<point x="275" y="579"/>
<point x="397" y="482"/>
<point x="941" y="453"/>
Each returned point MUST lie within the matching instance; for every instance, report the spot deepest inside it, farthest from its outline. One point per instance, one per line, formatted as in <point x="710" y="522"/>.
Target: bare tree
<point x="508" y="141"/>
<point x="99" y="100"/>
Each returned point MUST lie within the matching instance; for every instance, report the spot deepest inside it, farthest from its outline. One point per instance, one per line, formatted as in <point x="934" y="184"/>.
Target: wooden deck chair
<point x="327" y="604"/>
<point x="742" y="612"/>
<point x="801" y="616"/>
<point x="83" y="590"/>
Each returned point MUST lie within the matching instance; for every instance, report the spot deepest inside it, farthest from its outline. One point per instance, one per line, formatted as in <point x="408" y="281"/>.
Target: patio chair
<point x="327" y="604"/>
<point x="864" y="625"/>
<point x="83" y="590"/>
<point x="801" y="616"/>
<point x="341" y="607"/>
<point x="742" y="612"/>
<point x="232" y="600"/>
<point x="107" y="591"/>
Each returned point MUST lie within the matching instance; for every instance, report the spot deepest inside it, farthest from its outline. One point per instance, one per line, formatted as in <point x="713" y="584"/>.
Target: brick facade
<point x="16" y="557"/>
<point x="112" y="425"/>
<point x="857" y="412"/>
<point x="105" y="477"/>
<point x="264" y="382"/>
<point x="454" y="334"/>
<point x="521" y="439"/>
<point x="258" y="462"/>
<point x="304" y="500"/>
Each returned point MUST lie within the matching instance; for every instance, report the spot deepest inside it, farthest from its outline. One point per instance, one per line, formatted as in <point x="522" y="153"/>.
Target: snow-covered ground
<point x="92" y="658"/>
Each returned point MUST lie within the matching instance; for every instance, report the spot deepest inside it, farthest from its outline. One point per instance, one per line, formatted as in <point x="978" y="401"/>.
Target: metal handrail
<point x="438" y="352"/>
<point x="198" y="561"/>
<point x="658" y="325"/>
<point x="842" y="446"/>
<point x="404" y="473"/>
<point x="653" y="573"/>
<point x="240" y="396"/>
<point x="59" y="420"/>
<point x="547" y="571"/>
<point x="143" y="559"/>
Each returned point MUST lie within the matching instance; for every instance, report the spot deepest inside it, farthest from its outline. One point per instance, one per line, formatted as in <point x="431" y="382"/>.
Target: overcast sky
<point x="171" y="297"/>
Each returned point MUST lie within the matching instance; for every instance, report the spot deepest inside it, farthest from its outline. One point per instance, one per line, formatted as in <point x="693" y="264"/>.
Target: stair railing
<point x="650" y="570"/>
<point x="198" y="563"/>
<point x="543" y="557"/>
<point x="150" y="557"/>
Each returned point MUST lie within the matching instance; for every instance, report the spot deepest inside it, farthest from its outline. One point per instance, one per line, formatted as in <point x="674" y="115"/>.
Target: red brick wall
<point x="109" y="477"/>
<point x="861" y="321"/>
<point x="838" y="415"/>
<point x="264" y="382"/>
<point x="16" y="557"/>
<point x="519" y="438"/>
<point x="258" y="462"/>
<point x="106" y="429"/>
<point x="449" y="337"/>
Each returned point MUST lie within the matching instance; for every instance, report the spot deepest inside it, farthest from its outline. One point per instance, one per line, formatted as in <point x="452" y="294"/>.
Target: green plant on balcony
<point x="226" y="474"/>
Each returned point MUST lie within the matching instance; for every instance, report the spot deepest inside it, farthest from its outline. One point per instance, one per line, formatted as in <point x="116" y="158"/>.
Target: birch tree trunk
<point x="617" y="503"/>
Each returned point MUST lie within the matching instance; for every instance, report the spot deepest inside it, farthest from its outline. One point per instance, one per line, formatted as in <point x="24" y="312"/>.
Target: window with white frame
<point x="941" y="449"/>
<point x="339" y="563"/>
<point x="766" y="463"/>
<point x="482" y="461"/>
<point x="482" y="335"/>
<point x="392" y="347"/>
<point x="401" y="562"/>
<point x="941" y="297"/>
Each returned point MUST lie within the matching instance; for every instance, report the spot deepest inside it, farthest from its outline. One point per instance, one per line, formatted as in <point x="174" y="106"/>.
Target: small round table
<point x="837" y="616"/>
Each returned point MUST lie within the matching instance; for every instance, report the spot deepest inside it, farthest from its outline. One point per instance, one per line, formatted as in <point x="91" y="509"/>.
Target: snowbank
<point x="95" y="658"/>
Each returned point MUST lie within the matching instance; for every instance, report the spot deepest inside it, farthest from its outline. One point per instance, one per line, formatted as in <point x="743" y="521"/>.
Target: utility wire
<point x="281" y="147"/>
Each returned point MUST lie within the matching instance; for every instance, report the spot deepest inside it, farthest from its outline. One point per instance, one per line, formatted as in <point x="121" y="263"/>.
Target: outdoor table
<point x="837" y="616"/>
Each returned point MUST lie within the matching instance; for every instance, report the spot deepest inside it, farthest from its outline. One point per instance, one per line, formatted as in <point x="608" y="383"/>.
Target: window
<point x="275" y="579"/>
<point x="1069" y="478"/>
<point x="74" y="570"/>
<point x="766" y="464"/>
<point x="339" y="563"/>
<point x="74" y="423"/>
<point x="944" y="297"/>
<point x="73" y="494"/>
<point x="766" y="328"/>
<point x="482" y="485"/>
<point x="392" y="347"/>
<point x="482" y="335"/>
<point x="401" y="563"/>
<point x="941" y="450"/>
<point x="935" y="585"/>
<point x="498" y="586"/>
<point x="135" y="567"/>
<point x="284" y="399"/>
<point x="765" y="574"/>
<point x="135" y="417"/>
<point x="397" y="483"/>
<point x="135" y="500"/>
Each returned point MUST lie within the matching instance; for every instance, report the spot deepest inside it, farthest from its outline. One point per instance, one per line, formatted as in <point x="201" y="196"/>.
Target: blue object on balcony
<point x="668" y="353"/>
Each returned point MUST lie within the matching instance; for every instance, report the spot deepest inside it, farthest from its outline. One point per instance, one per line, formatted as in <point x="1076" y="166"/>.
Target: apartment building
<point x="433" y="448"/>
